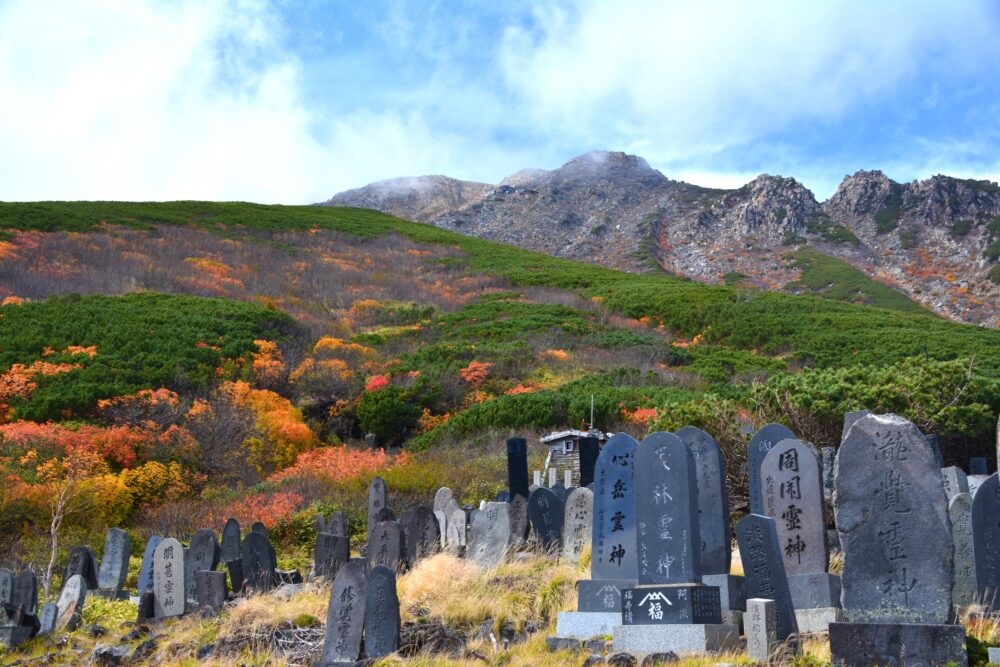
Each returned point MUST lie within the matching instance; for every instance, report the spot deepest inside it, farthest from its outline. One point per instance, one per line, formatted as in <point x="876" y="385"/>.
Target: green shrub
<point x="387" y="413"/>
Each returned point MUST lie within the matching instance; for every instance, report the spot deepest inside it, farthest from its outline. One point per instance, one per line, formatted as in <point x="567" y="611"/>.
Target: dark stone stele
<point x="384" y="545"/>
<point x="590" y="449"/>
<point x="337" y="525"/>
<point x="203" y="555"/>
<point x="986" y="541"/>
<point x="614" y="533"/>
<point x="814" y="590"/>
<point x="604" y="595"/>
<point x="385" y="514"/>
<point x="259" y="528"/>
<point x="759" y="446"/>
<point x="546" y="512"/>
<point x="377" y="491"/>
<point x="671" y="604"/>
<point x="518" y="520"/>
<point x="560" y="490"/>
<point x="257" y="556"/>
<point x="765" y="570"/>
<point x="666" y="492"/>
<point x="381" y="613"/>
<point x="236" y="580"/>
<point x="517" y="467"/>
<point x="345" y="616"/>
<point x="713" y="500"/>
<point x="24" y="594"/>
<point x="330" y="554"/>
<point x="47" y="619"/>
<point x="427" y="534"/>
<point x="407" y="531"/>
<point x="114" y="564"/>
<point x="892" y="517"/>
<point x="230" y="549"/>
<point x="909" y="644"/>
<point x="503" y="496"/>
<point x="210" y="590"/>
<point x="83" y="562"/>
<point x="146" y="567"/>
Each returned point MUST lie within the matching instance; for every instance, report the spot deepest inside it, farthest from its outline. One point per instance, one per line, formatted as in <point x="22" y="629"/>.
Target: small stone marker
<point x="761" y="626"/>
<point x="385" y="544"/>
<point x="70" y="603"/>
<point x="257" y="556"/>
<point x="330" y="554"/>
<point x="376" y="499"/>
<point x="977" y="465"/>
<point x="671" y="604"/>
<point x="210" y="590"/>
<point x="168" y="579"/>
<point x="442" y="498"/>
<point x="986" y="539"/>
<point x="114" y="565"/>
<point x="765" y="569"/>
<point x="578" y="523"/>
<point x="963" y="593"/>
<point x="456" y="536"/>
<point x="536" y="479"/>
<point x="83" y="562"/>
<point x="203" y="555"/>
<point x="760" y="444"/>
<point x="381" y="613"/>
<point x="567" y="480"/>
<point x="666" y="492"/>
<point x="490" y="535"/>
<point x="230" y="549"/>
<point x="546" y="511"/>
<point x="828" y="457"/>
<point x="614" y="533"/>
<point x="590" y="449"/>
<point x="345" y="615"/>
<point x="790" y="479"/>
<point x="713" y="500"/>
<point x="47" y="619"/>
<point x="6" y="586"/>
<point x="25" y="592"/>
<point x="552" y="478"/>
<point x="146" y="567"/>
<point x="517" y="466"/>
<point x="518" y="520"/>
<point x="955" y="481"/>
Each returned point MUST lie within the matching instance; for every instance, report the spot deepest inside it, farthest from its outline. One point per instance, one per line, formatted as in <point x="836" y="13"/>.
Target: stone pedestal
<point x="733" y="617"/>
<point x="818" y="620"/>
<point x="666" y="604"/>
<point x="910" y="644"/>
<point x="681" y="639"/>
<point x="732" y="590"/>
<point x="814" y="591"/>
<point x="601" y="595"/>
<point x="586" y="624"/>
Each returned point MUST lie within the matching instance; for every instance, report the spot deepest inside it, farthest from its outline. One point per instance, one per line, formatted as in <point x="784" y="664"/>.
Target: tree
<point x="387" y="413"/>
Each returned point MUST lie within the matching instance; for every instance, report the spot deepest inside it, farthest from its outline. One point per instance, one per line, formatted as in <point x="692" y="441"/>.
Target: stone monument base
<point x="603" y="595"/>
<point x="732" y="590"/>
<point x="813" y="591"/>
<point x="814" y="621"/>
<point x="586" y="624"/>
<point x="733" y="617"/>
<point x="12" y="635"/>
<point x="680" y="639"/>
<point x="910" y="644"/>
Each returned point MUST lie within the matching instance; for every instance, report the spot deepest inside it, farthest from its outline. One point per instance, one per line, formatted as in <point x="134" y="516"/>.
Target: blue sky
<point x="282" y="101"/>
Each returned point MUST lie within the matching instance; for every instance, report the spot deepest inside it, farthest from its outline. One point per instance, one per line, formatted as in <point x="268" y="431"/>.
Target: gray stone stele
<point x="146" y="566"/>
<point x="909" y="644"/>
<point x="407" y="533"/>
<point x="70" y="603"/>
<point x="489" y="536"/>
<point x="892" y="516"/>
<point x="230" y="548"/>
<point x="818" y="620"/>
<point x="713" y="500"/>
<point x="578" y="523"/>
<point x="693" y="638"/>
<point x="202" y="555"/>
<point x="47" y="619"/>
<point x="210" y="590"/>
<point x="560" y="490"/>
<point x="546" y="513"/>
<point x="760" y="444"/>
<point x="963" y="593"/>
<point x="259" y="528"/>
<point x="385" y="545"/>
<point x="337" y="525"/>
<point x="975" y="481"/>
<point x="457" y="526"/>
<point x="257" y="556"/>
<point x="994" y="655"/>
<point x="761" y="627"/>
<point x="168" y="579"/>
<point x="828" y="458"/>
<point x="986" y="541"/>
<point x="955" y="481"/>
<point x="586" y="624"/>
<point x="442" y="522"/>
<point x="614" y="534"/>
<point x="381" y="613"/>
<point x="793" y="497"/>
<point x="330" y="554"/>
<point x="114" y="564"/>
<point x="6" y="585"/>
<point x="814" y="590"/>
<point x="666" y="493"/>
<point x="426" y="539"/>
<point x="442" y="499"/>
<point x="83" y="562"/>
<point x="376" y="499"/>
<point x="518" y="520"/>
<point x="25" y="592"/>
<point x="732" y="590"/>
<point x="345" y="615"/>
<point x="765" y="569"/>
<point x="850" y="419"/>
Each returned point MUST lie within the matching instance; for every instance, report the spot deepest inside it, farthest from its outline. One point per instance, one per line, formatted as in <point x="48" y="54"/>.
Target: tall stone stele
<point x="761" y="443"/>
<point x="892" y="516"/>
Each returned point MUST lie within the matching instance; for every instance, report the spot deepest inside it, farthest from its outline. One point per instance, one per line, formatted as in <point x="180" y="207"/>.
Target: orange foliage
<point x="337" y="464"/>
<point x="640" y="416"/>
<point x="428" y="422"/>
<point x="521" y="389"/>
<point x="688" y="343"/>
<point x="556" y="355"/>
<point x="20" y="381"/>
<point x="267" y="362"/>
<point x="277" y="419"/>
<point x="11" y="300"/>
<point x="376" y="382"/>
<point x="117" y="444"/>
<point x="270" y="509"/>
<point x="475" y="373"/>
<point x="89" y="351"/>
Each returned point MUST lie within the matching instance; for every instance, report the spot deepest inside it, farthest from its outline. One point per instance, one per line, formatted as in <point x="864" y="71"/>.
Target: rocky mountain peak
<point x="863" y="193"/>
<point x="769" y="204"/>
<point x="614" y="165"/>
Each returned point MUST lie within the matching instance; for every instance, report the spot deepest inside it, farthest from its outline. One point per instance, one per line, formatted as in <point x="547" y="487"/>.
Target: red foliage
<point x="376" y="382"/>
<point x="475" y="373"/>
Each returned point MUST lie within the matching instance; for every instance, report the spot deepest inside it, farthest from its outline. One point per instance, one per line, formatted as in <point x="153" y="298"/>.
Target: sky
<point x="287" y="101"/>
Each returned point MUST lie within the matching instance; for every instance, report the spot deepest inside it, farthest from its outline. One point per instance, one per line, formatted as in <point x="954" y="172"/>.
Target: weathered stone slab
<point x="330" y="554"/>
<point x="47" y="619"/>
<point x="986" y="541"/>
<point x="146" y="567"/>
<point x="964" y="592"/>
<point x="114" y="565"/>
<point x="850" y="419"/>
<point x="381" y="613"/>
<point x="760" y="444"/>
<point x="25" y="593"/>
<point x="732" y="590"/>
<point x="602" y="595"/>
<point x="259" y="528"/>
<point x="666" y="492"/>
<point x="891" y="513"/>
<point x="70" y="604"/>
<point x="761" y="626"/>
<point x="6" y="586"/>
<point x="560" y="490"/>
<point x="428" y="536"/>
<point x="793" y="497"/>
<point x="519" y="523"/>
<point x="385" y="514"/>
<point x="457" y="527"/>
<point x="818" y="620"/>
<point x="168" y="579"/>
<point x="955" y="481"/>
<point x="765" y="570"/>
<point x="546" y="512"/>
<point x="578" y="523"/>
<point x="237" y="582"/>
<point x="203" y="555"/>
<point x="377" y="491"/>
<point x="590" y="450"/>
<point x="663" y="604"/>
<point x="210" y="590"/>
<point x="814" y="590"/>
<point x="909" y="644"/>
<point x="12" y="635"/>
<point x="346" y="615"/>
<point x="83" y="562"/>
<point x="257" y="556"/>
<point x="517" y="467"/>
<point x="490" y="535"/>
<point x="230" y="548"/>
<point x="614" y="533"/>
<point x="713" y="500"/>
<point x="385" y="544"/>
<point x="586" y="624"/>
<point x="828" y="460"/>
<point x="685" y="639"/>
<point x="442" y="522"/>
